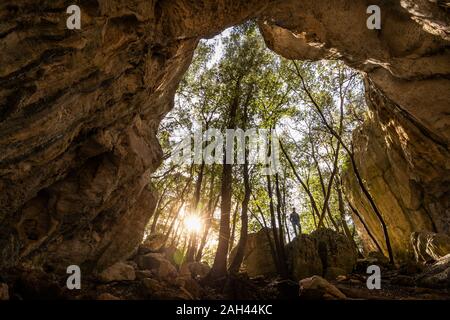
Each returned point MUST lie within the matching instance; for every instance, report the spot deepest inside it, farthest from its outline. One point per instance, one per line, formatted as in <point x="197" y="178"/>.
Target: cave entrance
<point x="271" y="121"/>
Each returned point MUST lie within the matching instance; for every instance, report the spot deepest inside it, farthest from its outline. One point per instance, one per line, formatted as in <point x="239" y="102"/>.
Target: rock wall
<point x="407" y="173"/>
<point x="79" y="109"/>
<point x="79" y="112"/>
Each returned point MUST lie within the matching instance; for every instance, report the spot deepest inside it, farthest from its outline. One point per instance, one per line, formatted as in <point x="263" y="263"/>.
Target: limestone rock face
<point x="432" y="15"/>
<point x="406" y="170"/>
<point x="79" y="112"/>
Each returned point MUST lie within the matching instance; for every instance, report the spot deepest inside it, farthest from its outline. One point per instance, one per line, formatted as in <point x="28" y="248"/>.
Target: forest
<point x="236" y="82"/>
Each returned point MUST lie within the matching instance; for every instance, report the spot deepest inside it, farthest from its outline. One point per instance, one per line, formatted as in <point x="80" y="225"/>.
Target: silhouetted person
<point x="295" y="220"/>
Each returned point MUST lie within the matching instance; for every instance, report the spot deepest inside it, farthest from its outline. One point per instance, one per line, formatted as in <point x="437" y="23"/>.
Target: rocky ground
<point x="153" y="273"/>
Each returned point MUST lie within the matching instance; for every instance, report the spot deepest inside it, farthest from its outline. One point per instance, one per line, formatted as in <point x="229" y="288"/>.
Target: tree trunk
<point x="219" y="268"/>
<point x="240" y="251"/>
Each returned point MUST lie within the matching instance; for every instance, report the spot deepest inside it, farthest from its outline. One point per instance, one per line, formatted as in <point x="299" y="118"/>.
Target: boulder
<point x="119" y="271"/>
<point x="258" y="258"/>
<point x="317" y="287"/>
<point x="173" y="254"/>
<point x="142" y="274"/>
<point x="4" y="291"/>
<point x="191" y="286"/>
<point x="182" y="294"/>
<point x="194" y="269"/>
<point x="303" y="257"/>
<point x="324" y="252"/>
<point x="152" y="285"/>
<point x="411" y="268"/>
<point x="161" y="290"/>
<point x="376" y="257"/>
<point x="157" y="263"/>
<point x="337" y="253"/>
<point x="373" y="258"/>
<point x="153" y="243"/>
<point x="107" y="296"/>
<point x="437" y="275"/>
<point x="333" y="273"/>
<point x="429" y="246"/>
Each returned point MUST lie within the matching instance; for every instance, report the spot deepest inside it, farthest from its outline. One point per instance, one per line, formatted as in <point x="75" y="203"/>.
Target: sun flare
<point x="193" y="223"/>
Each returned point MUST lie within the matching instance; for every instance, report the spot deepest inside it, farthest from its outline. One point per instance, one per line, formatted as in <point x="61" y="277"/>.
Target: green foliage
<point x="237" y="67"/>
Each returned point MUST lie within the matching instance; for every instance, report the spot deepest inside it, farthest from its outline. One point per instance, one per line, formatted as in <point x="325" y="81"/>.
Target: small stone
<point x="317" y="287"/>
<point x="107" y="296"/>
<point x="152" y="285"/>
<point x="341" y="278"/>
<point x="153" y="243"/>
<point x="4" y="291"/>
<point x="333" y="273"/>
<point x="119" y="271"/>
<point x="194" y="269"/>
<point x="192" y="287"/>
<point x="142" y="274"/>
<point x="157" y="262"/>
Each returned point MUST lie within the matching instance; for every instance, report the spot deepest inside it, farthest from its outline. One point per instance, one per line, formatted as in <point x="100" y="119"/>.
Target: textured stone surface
<point x="119" y="271"/>
<point x="194" y="269"/>
<point x="318" y="288"/>
<point x="303" y="257"/>
<point x="79" y="111"/>
<point x="157" y="263"/>
<point x="258" y="258"/>
<point x="4" y="291"/>
<point x="429" y="246"/>
<point x="437" y="275"/>
<point x="153" y="243"/>
<point x="324" y="252"/>
<point x="107" y="296"/>
<point x="337" y="253"/>
<point x="406" y="170"/>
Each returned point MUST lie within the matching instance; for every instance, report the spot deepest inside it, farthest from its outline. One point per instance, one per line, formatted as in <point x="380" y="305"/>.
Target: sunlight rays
<point x="193" y="223"/>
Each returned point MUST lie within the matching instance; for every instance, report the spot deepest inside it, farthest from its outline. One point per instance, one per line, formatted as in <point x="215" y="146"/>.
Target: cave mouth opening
<point x="236" y="67"/>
